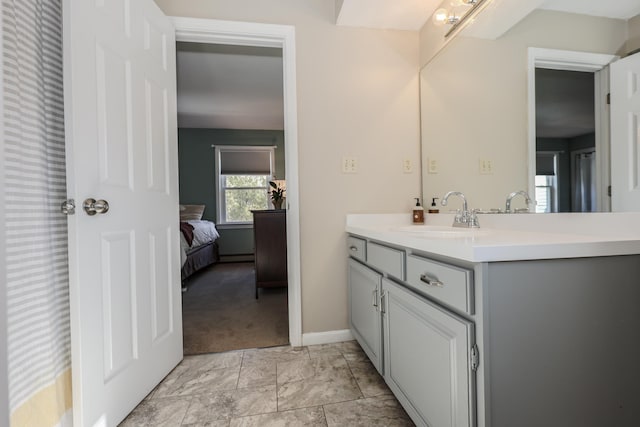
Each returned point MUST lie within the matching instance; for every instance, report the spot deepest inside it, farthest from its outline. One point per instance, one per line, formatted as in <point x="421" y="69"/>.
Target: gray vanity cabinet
<point x="364" y="315"/>
<point x="428" y="363"/>
<point x="526" y="343"/>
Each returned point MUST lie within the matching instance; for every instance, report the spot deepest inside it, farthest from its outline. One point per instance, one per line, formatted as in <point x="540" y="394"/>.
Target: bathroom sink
<point x="440" y="231"/>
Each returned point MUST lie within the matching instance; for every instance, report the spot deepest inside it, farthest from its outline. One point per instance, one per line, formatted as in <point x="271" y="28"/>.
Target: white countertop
<point x="505" y="237"/>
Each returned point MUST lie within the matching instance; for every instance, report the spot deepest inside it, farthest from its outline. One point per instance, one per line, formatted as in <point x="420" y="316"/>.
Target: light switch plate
<point x="349" y="165"/>
<point x="486" y="166"/>
<point x="407" y="166"/>
<point x="433" y="166"/>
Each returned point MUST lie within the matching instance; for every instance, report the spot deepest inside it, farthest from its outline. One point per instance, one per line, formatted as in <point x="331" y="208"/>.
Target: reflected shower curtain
<point x="38" y="347"/>
<point x="584" y="184"/>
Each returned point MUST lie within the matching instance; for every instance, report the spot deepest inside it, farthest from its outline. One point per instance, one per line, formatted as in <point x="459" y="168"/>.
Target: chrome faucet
<point x="464" y="218"/>
<point x="510" y="197"/>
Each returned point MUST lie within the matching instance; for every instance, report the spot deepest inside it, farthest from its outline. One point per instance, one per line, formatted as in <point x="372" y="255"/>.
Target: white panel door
<point x="120" y="109"/>
<point x="625" y="134"/>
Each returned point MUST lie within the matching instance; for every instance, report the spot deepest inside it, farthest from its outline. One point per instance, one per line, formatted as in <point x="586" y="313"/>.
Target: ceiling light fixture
<point x="455" y="12"/>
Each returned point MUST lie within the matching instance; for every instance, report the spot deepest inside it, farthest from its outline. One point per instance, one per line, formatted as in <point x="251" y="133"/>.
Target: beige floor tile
<point x="375" y="411"/>
<point x="228" y="404"/>
<point x="230" y="359"/>
<point x="274" y="354"/>
<point x="257" y="374"/>
<point x="165" y="412"/>
<point x="334" y="349"/>
<point x="315" y="382"/>
<point x="318" y="368"/>
<point x="369" y="380"/>
<point x="312" y="417"/>
<point x="193" y="382"/>
<point x="216" y="423"/>
<point x="246" y="388"/>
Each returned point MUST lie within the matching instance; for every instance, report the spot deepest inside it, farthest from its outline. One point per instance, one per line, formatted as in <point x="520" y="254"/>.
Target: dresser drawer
<point x="357" y="248"/>
<point x="386" y="259"/>
<point x="450" y="284"/>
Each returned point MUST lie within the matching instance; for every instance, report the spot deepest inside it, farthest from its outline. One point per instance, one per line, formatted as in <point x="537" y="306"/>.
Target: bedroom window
<point x="243" y="175"/>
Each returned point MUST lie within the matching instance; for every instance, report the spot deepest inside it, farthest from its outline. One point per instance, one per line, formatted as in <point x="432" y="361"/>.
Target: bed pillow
<point x="191" y="212"/>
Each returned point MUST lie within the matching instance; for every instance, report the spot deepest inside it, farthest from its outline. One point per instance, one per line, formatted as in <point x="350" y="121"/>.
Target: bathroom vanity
<point x="531" y="320"/>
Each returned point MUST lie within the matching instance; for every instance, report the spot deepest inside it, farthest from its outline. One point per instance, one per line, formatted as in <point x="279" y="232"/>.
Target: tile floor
<point x="320" y="385"/>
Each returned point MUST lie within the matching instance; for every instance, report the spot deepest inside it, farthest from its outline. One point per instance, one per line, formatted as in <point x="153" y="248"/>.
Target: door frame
<point x="566" y="60"/>
<point x="279" y="36"/>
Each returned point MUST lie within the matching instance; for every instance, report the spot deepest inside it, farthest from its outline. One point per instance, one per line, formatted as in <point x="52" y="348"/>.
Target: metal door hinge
<point x="475" y="358"/>
<point x="68" y="207"/>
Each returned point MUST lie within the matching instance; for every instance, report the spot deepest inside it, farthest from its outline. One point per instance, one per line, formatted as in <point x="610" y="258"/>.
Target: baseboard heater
<point x="237" y="258"/>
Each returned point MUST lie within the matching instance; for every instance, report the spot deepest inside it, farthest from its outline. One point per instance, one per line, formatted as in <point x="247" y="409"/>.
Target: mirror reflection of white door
<point x="120" y="111"/>
<point x="625" y="134"/>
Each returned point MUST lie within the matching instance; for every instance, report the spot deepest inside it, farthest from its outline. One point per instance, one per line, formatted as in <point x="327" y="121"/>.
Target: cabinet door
<point x="427" y="359"/>
<point x="365" y="319"/>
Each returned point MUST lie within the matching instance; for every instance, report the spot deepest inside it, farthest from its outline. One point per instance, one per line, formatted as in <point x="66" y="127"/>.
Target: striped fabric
<point x="36" y="239"/>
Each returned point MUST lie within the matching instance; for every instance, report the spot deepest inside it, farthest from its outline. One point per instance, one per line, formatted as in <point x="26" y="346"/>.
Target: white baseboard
<point x="314" y="338"/>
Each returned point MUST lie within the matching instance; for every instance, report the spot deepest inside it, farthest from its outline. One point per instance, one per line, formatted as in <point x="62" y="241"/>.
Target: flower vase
<point x="277" y="204"/>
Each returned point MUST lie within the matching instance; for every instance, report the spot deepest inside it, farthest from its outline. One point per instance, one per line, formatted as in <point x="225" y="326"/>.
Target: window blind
<point x="545" y="164"/>
<point x="245" y="162"/>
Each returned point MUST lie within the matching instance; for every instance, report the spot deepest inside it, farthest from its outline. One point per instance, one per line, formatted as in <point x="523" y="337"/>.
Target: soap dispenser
<point x="418" y="213"/>
<point x="434" y="207"/>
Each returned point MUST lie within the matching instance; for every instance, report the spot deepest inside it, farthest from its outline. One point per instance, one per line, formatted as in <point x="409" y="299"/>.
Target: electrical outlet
<point x="432" y="166"/>
<point x="407" y="166"/>
<point x="486" y="166"/>
<point x="349" y="165"/>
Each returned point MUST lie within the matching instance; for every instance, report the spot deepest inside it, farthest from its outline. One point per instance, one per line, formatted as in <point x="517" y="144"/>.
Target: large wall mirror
<point x="479" y="130"/>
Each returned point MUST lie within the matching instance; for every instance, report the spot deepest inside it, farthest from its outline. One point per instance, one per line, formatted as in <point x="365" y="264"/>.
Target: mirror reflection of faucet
<point x="527" y="199"/>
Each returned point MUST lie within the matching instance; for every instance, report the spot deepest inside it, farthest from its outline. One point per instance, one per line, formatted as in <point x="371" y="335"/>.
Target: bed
<point x="198" y="247"/>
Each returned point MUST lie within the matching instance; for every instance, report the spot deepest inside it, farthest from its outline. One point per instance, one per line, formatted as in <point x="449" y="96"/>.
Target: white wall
<point x="358" y="95"/>
<point x="474" y="102"/>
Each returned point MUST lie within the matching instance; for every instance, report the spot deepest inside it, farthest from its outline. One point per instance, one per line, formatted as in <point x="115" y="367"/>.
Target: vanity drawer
<point x="386" y="259"/>
<point x="357" y="248"/>
<point x="450" y="284"/>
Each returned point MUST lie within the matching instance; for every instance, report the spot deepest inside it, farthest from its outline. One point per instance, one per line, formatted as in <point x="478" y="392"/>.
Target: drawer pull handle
<point x="430" y="281"/>
<point x="353" y="248"/>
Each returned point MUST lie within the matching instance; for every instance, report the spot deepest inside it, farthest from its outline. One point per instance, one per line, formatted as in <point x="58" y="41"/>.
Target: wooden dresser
<point x="270" y="246"/>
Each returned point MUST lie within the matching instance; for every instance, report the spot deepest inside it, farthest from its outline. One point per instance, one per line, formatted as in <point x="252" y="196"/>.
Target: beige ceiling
<point x="412" y="14"/>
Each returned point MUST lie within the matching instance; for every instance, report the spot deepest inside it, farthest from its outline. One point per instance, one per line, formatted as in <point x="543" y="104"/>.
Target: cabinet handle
<point x="353" y="248"/>
<point x="431" y="281"/>
<point x="383" y="301"/>
<point x="375" y="298"/>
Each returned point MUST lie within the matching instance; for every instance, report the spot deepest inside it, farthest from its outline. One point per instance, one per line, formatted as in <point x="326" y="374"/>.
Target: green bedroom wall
<point x="196" y="162"/>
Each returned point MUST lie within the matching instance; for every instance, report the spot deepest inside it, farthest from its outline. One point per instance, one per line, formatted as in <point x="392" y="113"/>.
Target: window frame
<point x="550" y="187"/>
<point x="221" y="211"/>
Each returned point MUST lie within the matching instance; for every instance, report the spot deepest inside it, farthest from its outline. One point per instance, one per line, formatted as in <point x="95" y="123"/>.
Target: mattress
<point x="204" y="232"/>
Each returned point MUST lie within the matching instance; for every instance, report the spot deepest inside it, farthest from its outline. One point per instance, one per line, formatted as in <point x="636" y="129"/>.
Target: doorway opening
<point x="270" y="43"/>
<point x="565" y="141"/>
<point x="569" y="144"/>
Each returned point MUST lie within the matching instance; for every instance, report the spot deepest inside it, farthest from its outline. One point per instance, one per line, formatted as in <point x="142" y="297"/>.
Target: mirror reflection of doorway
<point x="565" y="141"/>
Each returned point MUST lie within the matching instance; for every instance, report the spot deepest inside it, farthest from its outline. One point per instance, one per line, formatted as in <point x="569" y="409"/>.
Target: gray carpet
<point x="220" y="311"/>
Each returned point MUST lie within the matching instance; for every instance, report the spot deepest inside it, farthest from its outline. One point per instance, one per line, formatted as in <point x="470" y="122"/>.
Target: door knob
<point x="93" y="206"/>
<point x="68" y="207"/>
